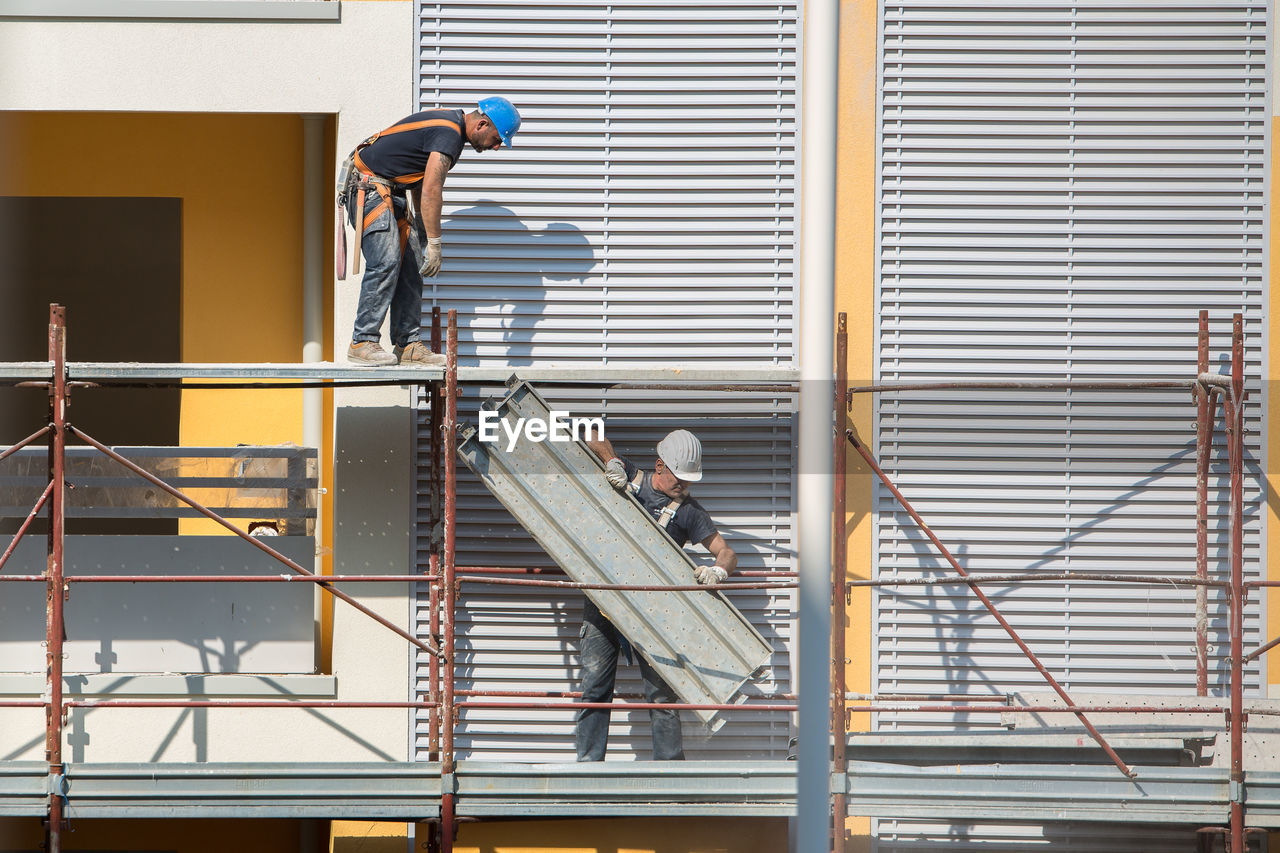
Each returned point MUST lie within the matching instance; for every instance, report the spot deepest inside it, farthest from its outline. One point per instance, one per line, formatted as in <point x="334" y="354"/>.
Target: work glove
<point x="616" y="473"/>
<point x="710" y="574"/>
<point x="435" y="254"/>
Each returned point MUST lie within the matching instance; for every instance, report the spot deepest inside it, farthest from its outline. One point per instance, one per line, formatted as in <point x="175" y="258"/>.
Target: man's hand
<point x="616" y="473"/>
<point x="435" y="254"/>
<point x="710" y="574"/>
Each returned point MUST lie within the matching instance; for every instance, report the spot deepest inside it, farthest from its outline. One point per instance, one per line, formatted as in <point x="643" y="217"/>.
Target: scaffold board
<point x="703" y="647"/>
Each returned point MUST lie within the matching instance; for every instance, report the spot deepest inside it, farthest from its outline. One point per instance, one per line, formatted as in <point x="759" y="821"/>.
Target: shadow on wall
<point x="500" y="276"/>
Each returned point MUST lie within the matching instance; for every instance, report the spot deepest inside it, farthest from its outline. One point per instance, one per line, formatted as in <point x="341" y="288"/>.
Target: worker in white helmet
<point x="664" y="492"/>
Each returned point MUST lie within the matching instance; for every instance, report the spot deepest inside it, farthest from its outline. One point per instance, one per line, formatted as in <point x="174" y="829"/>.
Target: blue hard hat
<point x="503" y="115"/>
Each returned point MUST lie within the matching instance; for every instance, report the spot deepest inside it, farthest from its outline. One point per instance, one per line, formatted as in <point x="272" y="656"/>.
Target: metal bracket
<point x="1235" y="791"/>
<point x="839" y="783"/>
<point x="60" y="787"/>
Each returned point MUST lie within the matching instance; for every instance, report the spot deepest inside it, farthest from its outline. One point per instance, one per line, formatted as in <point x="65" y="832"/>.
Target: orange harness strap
<point x="384" y="192"/>
<point x="401" y="128"/>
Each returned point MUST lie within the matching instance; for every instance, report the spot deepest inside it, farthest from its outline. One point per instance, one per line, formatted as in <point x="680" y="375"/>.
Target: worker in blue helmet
<point x="392" y="189"/>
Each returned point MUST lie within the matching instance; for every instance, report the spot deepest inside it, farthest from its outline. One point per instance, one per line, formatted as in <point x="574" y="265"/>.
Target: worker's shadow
<point x="503" y="277"/>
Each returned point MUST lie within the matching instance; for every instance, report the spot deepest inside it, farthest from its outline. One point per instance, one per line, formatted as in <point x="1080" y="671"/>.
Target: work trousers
<point x="600" y="644"/>
<point x="391" y="277"/>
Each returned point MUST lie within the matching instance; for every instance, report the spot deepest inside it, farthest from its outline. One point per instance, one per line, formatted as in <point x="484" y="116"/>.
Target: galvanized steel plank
<point x="1039" y="792"/>
<point x="409" y="791"/>
<point x="24" y="788"/>
<point x="703" y="647"/>
<point x="633" y="788"/>
<point x="568" y="372"/>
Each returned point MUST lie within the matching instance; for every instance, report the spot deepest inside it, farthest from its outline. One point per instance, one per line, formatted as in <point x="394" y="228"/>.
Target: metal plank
<point x="93" y="371"/>
<point x="1038" y="792"/>
<point x="167" y="10"/>
<point x="920" y="748"/>
<point x="24" y="788"/>
<point x="411" y="791"/>
<point x="703" y="647"/>
<point x="25" y="371"/>
<point x="252" y="789"/>
<point x="1262" y="798"/>
<point x="640" y="788"/>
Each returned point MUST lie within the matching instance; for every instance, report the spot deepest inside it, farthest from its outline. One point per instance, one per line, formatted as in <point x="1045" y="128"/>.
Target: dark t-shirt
<point x="405" y="154"/>
<point x="690" y="523"/>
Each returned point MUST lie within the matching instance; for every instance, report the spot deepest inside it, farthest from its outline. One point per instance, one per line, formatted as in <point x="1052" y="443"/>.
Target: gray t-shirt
<point x="690" y="523"/>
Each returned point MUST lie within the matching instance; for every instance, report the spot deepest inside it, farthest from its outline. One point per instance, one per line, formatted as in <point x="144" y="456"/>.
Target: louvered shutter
<point x="1062" y="187"/>
<point x="645" y="214"/>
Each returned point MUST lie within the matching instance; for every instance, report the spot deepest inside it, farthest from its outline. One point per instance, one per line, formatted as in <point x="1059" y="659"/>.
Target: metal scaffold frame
<point x="444" y="701"/>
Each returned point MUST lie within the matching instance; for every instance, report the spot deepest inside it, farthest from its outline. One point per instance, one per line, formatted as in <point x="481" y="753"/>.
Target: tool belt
<point x="354" y="177"/>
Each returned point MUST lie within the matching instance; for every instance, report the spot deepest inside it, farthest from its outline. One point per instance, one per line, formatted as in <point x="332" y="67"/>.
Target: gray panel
<point x="1047" y="792"/>
<point x="633" y="789"/>
<point x="610" y="231"/>
<point x="388" y="790"/>
<point x="700" y="644"/>
<point x="1061" y="190"/>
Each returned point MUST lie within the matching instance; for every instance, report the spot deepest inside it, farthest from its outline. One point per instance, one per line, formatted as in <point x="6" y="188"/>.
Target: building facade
<point x="1025" y="192"/>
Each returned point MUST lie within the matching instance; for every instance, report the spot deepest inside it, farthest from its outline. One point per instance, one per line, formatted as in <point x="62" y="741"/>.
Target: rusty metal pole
<point x="1204" y="445"/>
<point x="1235" y="437"/>
<point x="450" y="592"/>
<point x="839" y="603"/>
<point x="55" y="588"/>
<point x="436" y="392"/>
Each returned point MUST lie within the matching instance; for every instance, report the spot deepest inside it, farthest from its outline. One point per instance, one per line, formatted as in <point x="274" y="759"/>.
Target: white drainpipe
<point x="820" y="39"/>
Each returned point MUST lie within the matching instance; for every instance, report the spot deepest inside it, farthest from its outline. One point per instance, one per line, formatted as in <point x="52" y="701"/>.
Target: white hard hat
<point x="682" y="453"/>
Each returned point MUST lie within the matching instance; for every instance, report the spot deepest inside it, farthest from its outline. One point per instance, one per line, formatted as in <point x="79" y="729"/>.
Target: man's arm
<point x="431" y="193"/>
<point x="430" y="198"/>
<point x="725" y="556"/>
<point x="614" y="469"/>
<point x="602" y="448"/>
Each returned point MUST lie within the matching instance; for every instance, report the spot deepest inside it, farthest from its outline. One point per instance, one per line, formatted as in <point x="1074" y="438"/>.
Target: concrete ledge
<point x="185" y="10"/>
<point x="118" y="685"/>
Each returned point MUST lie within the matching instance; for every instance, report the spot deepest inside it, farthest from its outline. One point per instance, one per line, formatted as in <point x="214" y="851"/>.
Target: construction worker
<point x="394" y="183"/>
<point x="664" y="492"/>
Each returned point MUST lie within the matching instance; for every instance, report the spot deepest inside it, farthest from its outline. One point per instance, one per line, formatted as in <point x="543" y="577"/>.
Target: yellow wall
<point x="1273" y="436"/>
<point x="855" y="295"/>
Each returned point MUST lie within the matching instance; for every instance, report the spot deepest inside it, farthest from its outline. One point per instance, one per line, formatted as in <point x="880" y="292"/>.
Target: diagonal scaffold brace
<point x="990" y="605"/>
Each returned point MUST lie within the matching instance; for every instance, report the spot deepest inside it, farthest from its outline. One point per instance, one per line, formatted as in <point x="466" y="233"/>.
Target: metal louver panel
<point x="646" y="210"/>
<point x="645" y="215"/>
<point x="1061" y="188"/>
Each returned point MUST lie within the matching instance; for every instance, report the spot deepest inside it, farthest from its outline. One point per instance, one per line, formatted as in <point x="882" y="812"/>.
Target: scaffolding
<point x="444" y="790"/>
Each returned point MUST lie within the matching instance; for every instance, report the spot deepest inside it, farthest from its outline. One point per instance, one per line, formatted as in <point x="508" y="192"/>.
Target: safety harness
<point x="665" y="514"/>
<point x="355" y="175"/>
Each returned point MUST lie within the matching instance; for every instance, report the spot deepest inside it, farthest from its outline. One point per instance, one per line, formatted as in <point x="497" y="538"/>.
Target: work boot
<point x="369" y="353"/>
<point x="418" y="354"/>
